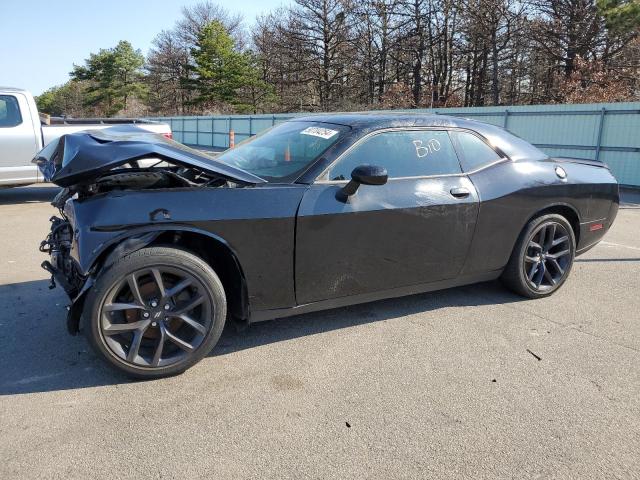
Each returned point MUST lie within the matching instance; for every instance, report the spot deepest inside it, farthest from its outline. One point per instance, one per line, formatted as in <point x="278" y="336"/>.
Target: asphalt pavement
<point x="472" y="382"/>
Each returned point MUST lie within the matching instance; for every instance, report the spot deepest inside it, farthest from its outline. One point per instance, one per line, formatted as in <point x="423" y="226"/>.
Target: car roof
<point x="378" y="120"/>
<point x="366" y="122"/>
<point x="13" y="89"/>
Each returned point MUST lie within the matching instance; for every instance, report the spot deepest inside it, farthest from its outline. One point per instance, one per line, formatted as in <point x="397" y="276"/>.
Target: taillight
<point x="168" y="135"/>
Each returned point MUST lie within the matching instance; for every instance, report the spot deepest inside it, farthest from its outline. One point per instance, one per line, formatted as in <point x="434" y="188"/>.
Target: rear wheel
<point x="155" y="312"/>
<point x="542" y="258"/>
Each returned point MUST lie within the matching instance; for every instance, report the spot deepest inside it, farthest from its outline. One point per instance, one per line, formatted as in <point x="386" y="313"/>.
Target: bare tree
<point x="196" y="16"/>
<point x="284" y="63"/>
<point x="490" y="31"/>
<point x="168" y="69"/>
<point x="321" y="29"/>
<point x="375" y="27"/>
<point x="442" y="33"/>
<point x="414" y="16"/>
<point x="569" y="29"/>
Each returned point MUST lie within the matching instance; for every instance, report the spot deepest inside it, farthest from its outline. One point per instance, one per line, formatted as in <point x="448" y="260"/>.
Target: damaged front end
<point x="92" y="165"/>
<point x="61" y="267"/>
<point x="64" y="270"/>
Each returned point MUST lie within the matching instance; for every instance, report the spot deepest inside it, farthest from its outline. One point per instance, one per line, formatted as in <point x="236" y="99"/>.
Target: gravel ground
<point x="472" y="382"/>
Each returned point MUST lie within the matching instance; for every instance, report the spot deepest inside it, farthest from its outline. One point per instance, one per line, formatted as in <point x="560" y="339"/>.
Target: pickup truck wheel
<point x="542" y="258"/>
<point x="155" y="312"/>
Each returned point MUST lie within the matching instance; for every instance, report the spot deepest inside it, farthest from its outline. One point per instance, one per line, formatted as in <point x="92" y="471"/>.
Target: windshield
<point x="283" y="152"/>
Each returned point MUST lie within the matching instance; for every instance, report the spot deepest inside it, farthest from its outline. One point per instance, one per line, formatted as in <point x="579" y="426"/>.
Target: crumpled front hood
<point x="81" y="157"/>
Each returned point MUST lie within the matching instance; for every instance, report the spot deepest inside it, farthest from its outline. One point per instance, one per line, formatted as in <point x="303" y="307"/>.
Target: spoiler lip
<point x="584" y="161"/>
<point x="83" y="156"/>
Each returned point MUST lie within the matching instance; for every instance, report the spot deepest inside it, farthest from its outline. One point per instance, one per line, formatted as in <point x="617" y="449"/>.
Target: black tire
<point x="185" y="334"/>
<point x="538" y="273"/>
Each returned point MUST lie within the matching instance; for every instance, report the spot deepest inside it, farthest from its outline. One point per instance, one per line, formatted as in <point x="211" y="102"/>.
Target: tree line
<point x="324" y="55"/>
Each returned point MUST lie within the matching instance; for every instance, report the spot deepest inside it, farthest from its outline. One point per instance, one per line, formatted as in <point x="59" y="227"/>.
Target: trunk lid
<point x="81" y="157"/>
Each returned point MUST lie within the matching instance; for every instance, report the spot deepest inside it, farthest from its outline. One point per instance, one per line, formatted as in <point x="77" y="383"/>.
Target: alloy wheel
<point x="155" y="317"/>
<point x="548" y="256"/>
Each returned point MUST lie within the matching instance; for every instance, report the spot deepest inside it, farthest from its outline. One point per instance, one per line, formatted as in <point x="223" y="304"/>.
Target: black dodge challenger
<point x="158" y="244"/>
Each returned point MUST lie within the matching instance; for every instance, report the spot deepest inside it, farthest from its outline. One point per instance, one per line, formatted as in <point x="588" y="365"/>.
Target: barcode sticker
<point x="325" y="133"/>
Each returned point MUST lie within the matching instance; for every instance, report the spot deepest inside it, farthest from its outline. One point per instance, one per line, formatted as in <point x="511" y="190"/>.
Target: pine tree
<point x="114" y="75"/>
<point x="220" y="70"/>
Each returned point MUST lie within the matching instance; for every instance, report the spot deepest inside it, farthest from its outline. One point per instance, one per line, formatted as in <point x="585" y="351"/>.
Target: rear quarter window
<point x="473" y="152"/>
<point x="9" y="111"/>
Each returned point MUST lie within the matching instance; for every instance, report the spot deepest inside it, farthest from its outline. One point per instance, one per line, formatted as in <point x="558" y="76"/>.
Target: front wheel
<point x="155" y="312"/>
<point x="542" y="258"/>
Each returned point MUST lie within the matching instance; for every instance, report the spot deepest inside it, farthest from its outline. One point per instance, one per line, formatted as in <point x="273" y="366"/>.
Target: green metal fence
<point x="609" y="132"/>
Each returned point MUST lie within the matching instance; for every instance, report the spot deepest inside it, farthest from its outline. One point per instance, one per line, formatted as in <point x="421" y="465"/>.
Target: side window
<point x="9" y="111"/>
<point x="473" y="152"/>
<point x="403" y="154"/>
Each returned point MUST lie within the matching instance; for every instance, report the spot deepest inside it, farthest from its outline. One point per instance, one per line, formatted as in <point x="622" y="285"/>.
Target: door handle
<point x="460" y="192"/>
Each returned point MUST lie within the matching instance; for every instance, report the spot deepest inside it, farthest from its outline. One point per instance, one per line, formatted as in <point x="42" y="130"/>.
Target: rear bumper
<point x="591" y="233"/>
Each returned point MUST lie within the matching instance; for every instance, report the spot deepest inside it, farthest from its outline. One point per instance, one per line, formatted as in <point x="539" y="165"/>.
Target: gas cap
<point x="561" y="173"/>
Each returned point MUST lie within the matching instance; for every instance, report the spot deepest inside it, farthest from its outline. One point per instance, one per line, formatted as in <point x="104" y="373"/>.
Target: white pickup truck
<point x="23" y="133"/>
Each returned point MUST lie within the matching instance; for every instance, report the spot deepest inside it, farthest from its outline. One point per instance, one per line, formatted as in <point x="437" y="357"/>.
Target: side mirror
<point x="363" y="175"/>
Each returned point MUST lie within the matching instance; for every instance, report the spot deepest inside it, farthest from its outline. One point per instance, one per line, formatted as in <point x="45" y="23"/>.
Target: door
<point x="415" y="229"/>
<point x="18" y="142"/>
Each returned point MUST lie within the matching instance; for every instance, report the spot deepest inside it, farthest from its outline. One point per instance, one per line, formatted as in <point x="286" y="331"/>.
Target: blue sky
<point x="40" y="40"/>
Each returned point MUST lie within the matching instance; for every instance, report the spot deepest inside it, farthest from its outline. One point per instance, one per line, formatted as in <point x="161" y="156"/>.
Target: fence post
<point x="506" y="118"/>
<point x="600" y="128"/>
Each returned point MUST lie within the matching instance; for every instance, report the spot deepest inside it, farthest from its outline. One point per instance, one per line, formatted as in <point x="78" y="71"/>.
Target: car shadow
<point x="279" y="330"/>
<point x="37" y="354"/>
<point x="17" y="195"/>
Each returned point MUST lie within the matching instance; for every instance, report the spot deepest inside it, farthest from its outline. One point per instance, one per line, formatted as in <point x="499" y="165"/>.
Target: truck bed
<point x="53" y="121"/>
<point x="28" y="132"/>
<point x="51" y="132"/>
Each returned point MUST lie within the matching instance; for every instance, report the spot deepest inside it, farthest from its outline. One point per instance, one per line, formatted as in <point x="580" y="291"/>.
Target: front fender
<point x="128" y="241"/>
<point x="256" y="225"/>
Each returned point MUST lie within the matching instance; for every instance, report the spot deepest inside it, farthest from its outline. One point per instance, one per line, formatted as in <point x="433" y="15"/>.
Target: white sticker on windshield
<point x="325" y="133"/>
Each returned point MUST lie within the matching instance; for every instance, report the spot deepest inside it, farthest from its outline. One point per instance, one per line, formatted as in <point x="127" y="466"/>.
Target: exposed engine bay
<point x="112" y="158"/>
<point x="137" y="178"/>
